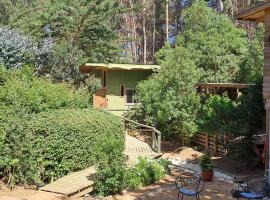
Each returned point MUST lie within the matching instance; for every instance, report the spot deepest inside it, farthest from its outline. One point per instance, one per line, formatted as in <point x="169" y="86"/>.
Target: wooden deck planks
<point x="72" y="183"/>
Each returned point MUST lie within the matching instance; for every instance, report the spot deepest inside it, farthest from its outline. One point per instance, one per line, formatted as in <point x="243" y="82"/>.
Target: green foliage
<point x="111" y="172"/>
<point x="168" y="98"/>
<point x="206" y="163"/>
<point x="48" y="145"/>
<point x="239" y="120"/>
<point x="20" y="91"/>
<point x="218" y="47"/>
<point x="217" y="112"/>
<point x="252" y="68"/>
<point x="82" y="31"/>
<point x="146" y="172"/>
<point x="113" y="175"/>
<point x="47" y="130"/>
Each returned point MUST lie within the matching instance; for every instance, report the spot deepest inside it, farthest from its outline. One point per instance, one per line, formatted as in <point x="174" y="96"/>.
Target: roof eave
<point x="250" y="14"/>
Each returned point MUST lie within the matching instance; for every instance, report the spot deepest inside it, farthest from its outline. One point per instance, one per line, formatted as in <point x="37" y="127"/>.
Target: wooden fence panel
<point x="210" y="143"/>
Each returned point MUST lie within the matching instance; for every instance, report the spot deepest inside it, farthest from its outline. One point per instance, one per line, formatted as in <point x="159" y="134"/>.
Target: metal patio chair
<point x="256" y="187"/>
<point x="189" y="184"/>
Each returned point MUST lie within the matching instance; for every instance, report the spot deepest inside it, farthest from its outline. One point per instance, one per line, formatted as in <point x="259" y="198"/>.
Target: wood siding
<point x="266" y="79"/>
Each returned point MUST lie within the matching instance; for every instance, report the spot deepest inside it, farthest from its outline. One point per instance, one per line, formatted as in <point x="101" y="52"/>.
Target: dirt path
<point x="20" y="193"/>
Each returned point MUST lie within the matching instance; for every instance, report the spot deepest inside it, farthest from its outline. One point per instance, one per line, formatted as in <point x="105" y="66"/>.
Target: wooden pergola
<point x="234" y="90"/>
<point x="261" y="13"/>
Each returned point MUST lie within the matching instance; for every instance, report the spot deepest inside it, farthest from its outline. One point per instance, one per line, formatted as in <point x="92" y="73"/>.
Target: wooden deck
<point x="73" y="183"/>
<point x="81" y="182"/>
<point x="136" y="148"/>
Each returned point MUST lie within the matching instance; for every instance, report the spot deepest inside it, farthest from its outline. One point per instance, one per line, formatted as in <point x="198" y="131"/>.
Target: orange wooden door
<point x="100" y="100"/>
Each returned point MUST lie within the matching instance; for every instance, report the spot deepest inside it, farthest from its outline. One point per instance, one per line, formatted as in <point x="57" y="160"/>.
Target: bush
<point x="168" y="98"/>
<point x="146" y="172"/>
<point x="111" y="174"/>
<point x="48" y="145"/>
<point x="239" y="120"/>
<point x="21" y="91"/>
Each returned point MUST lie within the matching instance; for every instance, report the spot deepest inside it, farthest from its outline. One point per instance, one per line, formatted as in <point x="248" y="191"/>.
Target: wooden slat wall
<point x="266" y="79"/>
<point x="210" y="143"/>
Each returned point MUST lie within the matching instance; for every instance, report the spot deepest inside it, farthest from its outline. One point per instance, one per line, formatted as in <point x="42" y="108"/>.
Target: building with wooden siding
<point x="119" y="82"/>
<point x="261" y="13"/>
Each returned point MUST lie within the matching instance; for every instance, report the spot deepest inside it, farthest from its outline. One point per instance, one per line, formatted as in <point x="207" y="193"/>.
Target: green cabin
<point x="119" y="81"/>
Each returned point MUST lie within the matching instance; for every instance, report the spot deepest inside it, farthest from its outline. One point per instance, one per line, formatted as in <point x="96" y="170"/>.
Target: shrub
<point x="239" y="120"/>
<point x="49" y="145"/>
<point x="146" y="172"/>
<point x="111" y="174"/>
<point x="21" y="91"/>
<point x="168" y="98"/>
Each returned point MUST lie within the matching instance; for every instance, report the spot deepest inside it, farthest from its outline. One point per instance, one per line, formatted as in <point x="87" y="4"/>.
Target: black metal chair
<point x="256" y="187"/>
<point x="189" y="184"/>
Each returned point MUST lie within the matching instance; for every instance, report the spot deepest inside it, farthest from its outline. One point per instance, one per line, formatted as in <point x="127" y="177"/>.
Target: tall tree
<point x="81" y="29"/>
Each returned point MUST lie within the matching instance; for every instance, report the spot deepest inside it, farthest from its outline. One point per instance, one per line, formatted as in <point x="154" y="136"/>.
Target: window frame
<point x="133" y="99"/>
<point x="104" y="79"/>
<point x="122" y="90"/>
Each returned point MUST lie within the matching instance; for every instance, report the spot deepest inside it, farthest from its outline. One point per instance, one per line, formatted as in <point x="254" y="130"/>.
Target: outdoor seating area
<point x="252" y="187"/>
<point x="189" y="184"/>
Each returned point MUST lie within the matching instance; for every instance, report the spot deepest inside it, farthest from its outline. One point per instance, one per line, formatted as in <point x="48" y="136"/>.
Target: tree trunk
<point x="144" y="36"/>
<point x="167" y="20"/>
<point x="154" y="30"/>
<point x="219" y="6"/>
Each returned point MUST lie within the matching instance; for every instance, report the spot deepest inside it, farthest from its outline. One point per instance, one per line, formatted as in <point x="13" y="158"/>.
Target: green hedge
<point x="22" y="92"/>
<point x="48" y="145"/>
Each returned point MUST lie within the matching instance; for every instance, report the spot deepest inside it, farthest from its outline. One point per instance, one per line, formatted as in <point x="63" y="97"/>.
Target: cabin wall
<point x="116" y="78"/>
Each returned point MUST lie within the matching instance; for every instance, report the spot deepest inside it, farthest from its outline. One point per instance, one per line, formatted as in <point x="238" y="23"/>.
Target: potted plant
<point x="206" y="167"/>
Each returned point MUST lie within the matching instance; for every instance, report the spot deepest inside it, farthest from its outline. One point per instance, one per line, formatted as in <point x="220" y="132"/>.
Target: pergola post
<point x="266" y="80"/>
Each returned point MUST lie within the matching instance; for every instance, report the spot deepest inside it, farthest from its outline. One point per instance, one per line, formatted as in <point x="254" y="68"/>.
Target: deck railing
<point x="131" y="125"/>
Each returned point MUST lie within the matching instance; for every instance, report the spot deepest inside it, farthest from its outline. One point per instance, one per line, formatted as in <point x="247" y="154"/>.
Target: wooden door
<point x="100" y="100"/>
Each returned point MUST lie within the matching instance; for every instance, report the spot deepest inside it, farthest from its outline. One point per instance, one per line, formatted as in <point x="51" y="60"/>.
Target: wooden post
<point x="154" y="143"/>
<point x="159" y="143"/>
<point x="266" y="79"/>
<point x="215" y="144"/>
<point x="206" y="141"/>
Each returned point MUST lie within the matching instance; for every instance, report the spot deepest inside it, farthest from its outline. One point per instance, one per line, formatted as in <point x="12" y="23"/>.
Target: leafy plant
<point x="206" y="163"/>
<point x="111" y="172"/>
<point x="146" y="172"/>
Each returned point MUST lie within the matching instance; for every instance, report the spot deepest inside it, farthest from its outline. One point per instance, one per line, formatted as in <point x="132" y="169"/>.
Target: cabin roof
<point x="255" y="13"/>
<point x="102" y="66"/>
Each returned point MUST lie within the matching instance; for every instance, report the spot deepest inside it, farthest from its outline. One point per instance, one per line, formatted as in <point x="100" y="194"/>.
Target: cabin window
<point x="104" y="80"/>
<point x="122" y="90"/>
<point x="130" y="95"/>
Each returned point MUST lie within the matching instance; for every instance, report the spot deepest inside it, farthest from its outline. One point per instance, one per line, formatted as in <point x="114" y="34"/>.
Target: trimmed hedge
<point x="46" y="146"/>
<point x="48" y="130"/>
<point x="22" y="92"/>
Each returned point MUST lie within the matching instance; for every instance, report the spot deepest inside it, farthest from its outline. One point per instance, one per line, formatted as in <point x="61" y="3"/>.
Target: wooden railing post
<point x="159" y="143"/>
<point x="153" y="139"/>
<point x="156" y="135"/>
